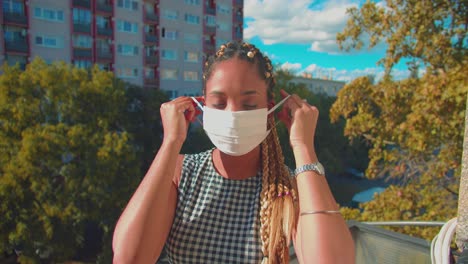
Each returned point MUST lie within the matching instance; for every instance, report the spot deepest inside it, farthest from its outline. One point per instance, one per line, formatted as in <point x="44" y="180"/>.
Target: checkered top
<point x="217" y="219"/>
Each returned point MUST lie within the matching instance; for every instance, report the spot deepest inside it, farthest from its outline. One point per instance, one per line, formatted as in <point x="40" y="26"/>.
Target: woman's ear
<point x="271" y="104"/>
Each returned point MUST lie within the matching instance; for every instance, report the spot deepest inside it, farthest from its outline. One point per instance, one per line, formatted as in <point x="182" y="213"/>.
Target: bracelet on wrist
<point x="316" y="167"/>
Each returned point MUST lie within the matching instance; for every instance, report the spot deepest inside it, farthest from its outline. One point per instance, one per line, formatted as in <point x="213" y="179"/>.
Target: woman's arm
<point x="143" y="227"/>
<point x="321" y="238"/>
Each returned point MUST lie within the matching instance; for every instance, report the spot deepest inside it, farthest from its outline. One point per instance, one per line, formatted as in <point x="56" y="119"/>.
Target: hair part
<point x="246" y="52"/>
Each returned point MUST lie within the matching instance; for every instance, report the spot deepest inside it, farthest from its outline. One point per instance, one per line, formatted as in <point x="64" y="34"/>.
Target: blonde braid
<point x="278" y="201"/>
<point x="265" y="204"/>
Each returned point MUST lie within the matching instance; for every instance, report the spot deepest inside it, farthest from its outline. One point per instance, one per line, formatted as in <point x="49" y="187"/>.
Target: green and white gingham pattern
<point x="217" y="219"/>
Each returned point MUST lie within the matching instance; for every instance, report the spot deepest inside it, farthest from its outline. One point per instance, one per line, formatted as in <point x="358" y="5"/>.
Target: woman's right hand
<point x="176" y="116"/>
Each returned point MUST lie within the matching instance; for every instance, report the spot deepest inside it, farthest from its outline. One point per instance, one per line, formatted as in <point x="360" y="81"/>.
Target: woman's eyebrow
<point x="219" y="93"/>
<point x="249" y="92"/>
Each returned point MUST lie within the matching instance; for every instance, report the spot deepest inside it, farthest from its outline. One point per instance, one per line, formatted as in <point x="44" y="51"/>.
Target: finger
<point x="283" y="93"/>
<point x="297" y="100"/>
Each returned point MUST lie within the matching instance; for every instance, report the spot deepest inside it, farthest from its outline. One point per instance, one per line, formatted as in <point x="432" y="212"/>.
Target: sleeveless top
<point x="216" y="219"/>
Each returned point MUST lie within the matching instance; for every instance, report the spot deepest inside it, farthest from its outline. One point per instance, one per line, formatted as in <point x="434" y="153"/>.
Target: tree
<point x="70" y="159"/>
<point x="414" y="126"/>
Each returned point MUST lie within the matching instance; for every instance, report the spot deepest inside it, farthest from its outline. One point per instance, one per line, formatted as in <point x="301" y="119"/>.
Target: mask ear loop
<point x="200" y="106"/>
<point x="276" y="106"/>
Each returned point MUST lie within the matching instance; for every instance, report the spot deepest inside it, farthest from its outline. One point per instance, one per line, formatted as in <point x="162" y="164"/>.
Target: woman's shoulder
<point x="197" y="157"/>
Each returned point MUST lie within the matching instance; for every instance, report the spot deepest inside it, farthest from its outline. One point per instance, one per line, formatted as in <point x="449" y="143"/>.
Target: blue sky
<point x="300" y="36"/>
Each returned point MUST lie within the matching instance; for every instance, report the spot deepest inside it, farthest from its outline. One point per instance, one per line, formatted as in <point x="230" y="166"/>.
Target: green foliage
<point x="433" y="32"/>
<point x="70" y="158"/>
<point x="414" y="126"/>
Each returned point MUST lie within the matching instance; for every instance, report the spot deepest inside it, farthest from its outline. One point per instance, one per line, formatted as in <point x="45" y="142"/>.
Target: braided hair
<point x="278" y="198"/>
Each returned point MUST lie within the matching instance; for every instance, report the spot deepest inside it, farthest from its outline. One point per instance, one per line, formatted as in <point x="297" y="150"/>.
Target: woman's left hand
<point x="301" y="120"/>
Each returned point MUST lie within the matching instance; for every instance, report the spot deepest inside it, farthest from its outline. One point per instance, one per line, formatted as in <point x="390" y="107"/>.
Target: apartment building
<point x="151" y="43"/>
<point x="320" y="85"/>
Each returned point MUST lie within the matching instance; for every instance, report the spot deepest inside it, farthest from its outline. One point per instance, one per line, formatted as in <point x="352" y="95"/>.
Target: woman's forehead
<point x="236" y="74"/>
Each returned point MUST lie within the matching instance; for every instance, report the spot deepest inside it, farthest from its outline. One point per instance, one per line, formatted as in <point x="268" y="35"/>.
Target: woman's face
<point x="235" y="85"/>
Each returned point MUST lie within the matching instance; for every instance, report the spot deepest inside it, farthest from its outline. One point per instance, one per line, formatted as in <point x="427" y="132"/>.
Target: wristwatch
<point x="316" y="166"/>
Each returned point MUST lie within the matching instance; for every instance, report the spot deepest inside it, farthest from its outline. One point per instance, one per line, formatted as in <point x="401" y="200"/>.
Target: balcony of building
<point x="17" y="45"/>
<point x="104" y="31"/>
<point x="104" y="7"/>
<point x="82" y="52"/>
<point x="238" y="3"/>
<point x="209" y="29"/>
<point x="374" y="244"/>
<point x="152" y="60"/>
<point x="209" y="47"/>
<point x="151" y="81"/>
<point x="15" y="18"/>
<point x="151" y="17"/>
<point x="81" y="27"/>
<point x="82" y="3"/>
<point x="18" y="60"/>
<point x="238" y="18"/>
<point x="103" y="54"/>
<point x="151" y="38"/>
<point x="209" y="10"/>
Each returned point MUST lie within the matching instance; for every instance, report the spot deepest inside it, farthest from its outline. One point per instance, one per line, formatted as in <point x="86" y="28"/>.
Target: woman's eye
<point x="250" y="107"/>
<point x="219" y="106"/>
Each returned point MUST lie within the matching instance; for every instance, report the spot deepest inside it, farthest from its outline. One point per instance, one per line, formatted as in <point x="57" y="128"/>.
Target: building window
<point x="83" y="64"/>
<point x="128" y="4"/>
<point x="48" y="41"/>
<point x="223" y="9"/>
<point x="170" y="14"/>
<point x="190" y="76"/>
<point x="12" y="34"/>
<point x="192" y="19"/>
<point x="192" y="2"/>
<point x="126" y="72"/>
<point x="168" y="74"/>
<point x="82" y="41"/>
<point x="127" y="50"/>
<point x="223" y="26"/>
<point x="191" y="56"/>
<point x="13" y="6"/>
<point x="169" y="34"/>
<point x="103" y="22"/>
<point x="48" y="14"/>
<point x="172" y="94"/>
<point x="81" y="16"/>
<point x="169" y="54"/>
<point x="125" y="26"/>
<point x="192" y="38"/>
<point x="210" y="20"/>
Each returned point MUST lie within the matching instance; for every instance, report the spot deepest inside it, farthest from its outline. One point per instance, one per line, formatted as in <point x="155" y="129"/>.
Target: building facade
<point x="151" y="43"/>
<point x="320" y="86"/>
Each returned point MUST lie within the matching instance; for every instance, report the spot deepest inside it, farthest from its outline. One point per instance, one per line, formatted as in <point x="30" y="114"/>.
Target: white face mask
<point x="236" y="133"/>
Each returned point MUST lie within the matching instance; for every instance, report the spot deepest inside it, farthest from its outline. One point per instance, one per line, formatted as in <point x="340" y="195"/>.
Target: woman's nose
<point x="233" y="106"/>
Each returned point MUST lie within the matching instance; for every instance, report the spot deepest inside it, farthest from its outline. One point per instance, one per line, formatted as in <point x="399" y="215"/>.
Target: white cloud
<point x="293" y="67"/>
<point x="349" y="75"/>
<point x="279" y="21"/>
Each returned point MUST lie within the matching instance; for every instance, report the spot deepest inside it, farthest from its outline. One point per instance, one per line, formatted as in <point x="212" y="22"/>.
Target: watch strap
<point x="316" y="166"/>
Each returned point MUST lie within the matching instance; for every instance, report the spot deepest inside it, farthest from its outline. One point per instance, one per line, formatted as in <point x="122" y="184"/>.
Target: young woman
<point x="238" y="202"/>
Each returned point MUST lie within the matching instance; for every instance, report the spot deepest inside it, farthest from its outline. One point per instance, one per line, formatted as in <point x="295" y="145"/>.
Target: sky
<point x="300" y="35"/>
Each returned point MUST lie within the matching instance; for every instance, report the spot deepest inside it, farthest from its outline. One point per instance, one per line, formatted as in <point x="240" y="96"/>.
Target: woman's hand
<point x="301" y="120"/>
<point x="176" y="116"/>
